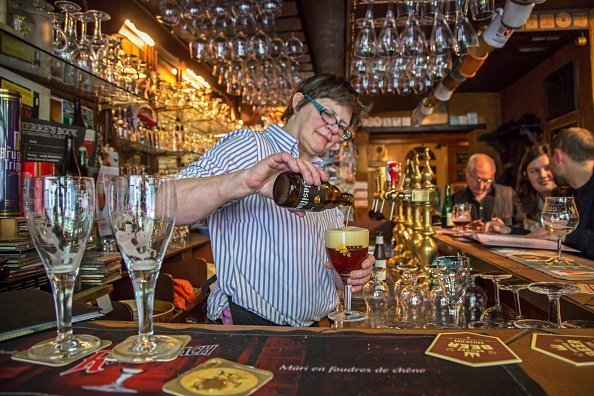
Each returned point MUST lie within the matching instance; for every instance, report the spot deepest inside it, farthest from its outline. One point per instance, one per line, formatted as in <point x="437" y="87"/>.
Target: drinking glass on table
<point x="554" y="291"/>
<point x="142" y="211"/>
<point x="461" y="216"/>
<point x="347" y="248"/>
<point x="59" y="212"/>
<point x="454" y="276"/>
<point x="559" y="217"/>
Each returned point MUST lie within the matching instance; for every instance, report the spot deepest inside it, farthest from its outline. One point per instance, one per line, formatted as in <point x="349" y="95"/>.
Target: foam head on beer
<point x="347" y="248"/>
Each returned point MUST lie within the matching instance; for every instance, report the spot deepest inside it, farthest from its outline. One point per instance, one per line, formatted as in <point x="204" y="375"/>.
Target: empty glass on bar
<point x="59" y="212"/>
<point x="142" y="210"/>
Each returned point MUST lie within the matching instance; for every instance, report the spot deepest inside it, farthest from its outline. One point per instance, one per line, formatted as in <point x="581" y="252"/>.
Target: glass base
<point x="135" y="349"/>
<point x="439" y="326"/>
<point x="347" y="316"/>
<point x="77" y="345"/>
<point x="578" y="324"/>
<point x="535" y="324"/>
<point x="497" y="313"/>
<point x="556" y="261"/>
<point x="396" y="324"/>
<point x="487" y="324"/>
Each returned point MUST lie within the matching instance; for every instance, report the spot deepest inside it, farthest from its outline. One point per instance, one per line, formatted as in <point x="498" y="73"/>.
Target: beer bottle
<point x="69" y="165"/>
<point x="446" y="209"/>
<point x="290" y="191"/>
<point x="78" y="119"/>
<point x="83" y="161"/>
<point x="380" y="256"/>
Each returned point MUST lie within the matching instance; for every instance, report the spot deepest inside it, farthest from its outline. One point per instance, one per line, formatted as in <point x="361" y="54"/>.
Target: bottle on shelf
<point x="77" y="119"/>
<point x="290" y="191"/>
<point x="69" y="165"/>
<point x="446" y="209"/>
<point x="83" y="161"/>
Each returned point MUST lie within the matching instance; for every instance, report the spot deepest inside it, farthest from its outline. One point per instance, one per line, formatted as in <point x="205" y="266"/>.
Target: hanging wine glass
<point x="68" y="8"/>
<point x="482" y="9"/>
<point x="274" y="6"/>
<point x="294" y="46"/>
<point x="169" y="12"/>
<point x="412" y="39"/>
<point x="464" y="32"/>
<point x="268" y="22"/>
<point x="439" y="66"/>
<point x="388" y="37"/>
<point x="365" y="45"/>
<point x="192" y="8"/>
<point x="442" y="39"/>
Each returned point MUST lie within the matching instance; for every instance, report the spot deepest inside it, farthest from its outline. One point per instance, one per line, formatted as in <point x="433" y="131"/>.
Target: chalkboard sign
<point x="43" y="141"/>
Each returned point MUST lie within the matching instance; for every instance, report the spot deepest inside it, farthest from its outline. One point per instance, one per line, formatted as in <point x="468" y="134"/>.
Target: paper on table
<point x="519" y="241"/>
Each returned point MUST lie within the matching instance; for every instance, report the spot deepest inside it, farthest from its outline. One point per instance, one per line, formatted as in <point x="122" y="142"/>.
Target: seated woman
<point x="535" y="183"/>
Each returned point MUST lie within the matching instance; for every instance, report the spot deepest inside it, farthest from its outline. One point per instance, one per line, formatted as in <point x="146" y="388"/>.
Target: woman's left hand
<point x="357" y="278"/>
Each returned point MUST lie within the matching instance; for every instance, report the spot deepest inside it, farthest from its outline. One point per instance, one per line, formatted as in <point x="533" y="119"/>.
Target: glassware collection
<point x="416" y="45"/>
<point x="446" y="295"/>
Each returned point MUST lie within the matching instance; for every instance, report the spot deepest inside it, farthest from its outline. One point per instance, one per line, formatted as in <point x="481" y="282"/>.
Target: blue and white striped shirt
<point x="270" y="261"/>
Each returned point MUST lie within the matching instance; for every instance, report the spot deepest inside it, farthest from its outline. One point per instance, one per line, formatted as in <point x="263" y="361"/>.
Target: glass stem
<point x="554" y="309"/>
<point x="347" y="297"/>
<point x="559" y="251"/>
<point x="517" y="302"/>
<point x="63" y="288"/>
<point x="496" y="286"/>
<point x="144" y="282"/>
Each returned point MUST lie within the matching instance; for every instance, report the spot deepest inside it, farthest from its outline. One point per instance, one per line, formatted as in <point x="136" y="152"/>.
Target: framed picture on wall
<point x="561" y="93"/>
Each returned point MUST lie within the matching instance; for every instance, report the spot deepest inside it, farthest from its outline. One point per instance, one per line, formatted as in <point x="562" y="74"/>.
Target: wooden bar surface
<point x="578" y="306"/>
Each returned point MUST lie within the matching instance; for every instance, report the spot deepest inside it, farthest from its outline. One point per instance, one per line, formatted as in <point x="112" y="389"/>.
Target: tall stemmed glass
<point x="560" y="217"/>
<point x="454" y="275"/>
<point x="366" y="40"/>
<point x="60" y="213"/>
<point x="515" y="285"/>
<point x="347" y="248"/>
<point x="142" y="211"/>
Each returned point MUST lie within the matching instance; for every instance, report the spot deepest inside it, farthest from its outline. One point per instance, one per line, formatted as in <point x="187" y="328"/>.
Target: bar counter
<point x="304" y="362"/>
<point x="575" y="306"/>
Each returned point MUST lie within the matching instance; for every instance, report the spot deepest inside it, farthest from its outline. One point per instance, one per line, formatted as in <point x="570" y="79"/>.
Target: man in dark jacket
<point x="572" y="163"/>
<point x="490" y="202"/>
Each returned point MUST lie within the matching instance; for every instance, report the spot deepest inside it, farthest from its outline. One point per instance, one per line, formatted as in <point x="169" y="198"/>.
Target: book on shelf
<point x="30" y="310"/>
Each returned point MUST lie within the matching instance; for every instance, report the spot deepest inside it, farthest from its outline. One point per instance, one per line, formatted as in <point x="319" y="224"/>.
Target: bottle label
<point x="310" y="197"/>
<point x="380" y="264"/>
<point x="381" y="274"/>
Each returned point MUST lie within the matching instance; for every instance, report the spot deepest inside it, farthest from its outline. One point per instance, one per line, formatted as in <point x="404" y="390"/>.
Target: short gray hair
<point x="474" y="158"/>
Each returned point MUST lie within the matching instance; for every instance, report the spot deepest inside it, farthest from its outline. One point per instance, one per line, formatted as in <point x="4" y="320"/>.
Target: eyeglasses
<point x="330" y="119"/>
<point x="481" y="180"/>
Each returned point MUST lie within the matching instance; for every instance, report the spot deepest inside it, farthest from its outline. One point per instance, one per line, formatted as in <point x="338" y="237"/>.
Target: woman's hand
<point x="357" y="278"/>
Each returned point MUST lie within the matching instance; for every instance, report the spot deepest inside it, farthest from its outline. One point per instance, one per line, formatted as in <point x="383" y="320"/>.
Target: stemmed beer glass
<point x="559" y="217"/>
<point x="60" y="213"/>
<point x="461" y="216"/>
<point x="347" y="248"/>
<point x="142" y="211"/>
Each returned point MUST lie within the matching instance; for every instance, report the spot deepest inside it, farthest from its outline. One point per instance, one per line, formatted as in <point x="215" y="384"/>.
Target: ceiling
<point x="326" y="24"/>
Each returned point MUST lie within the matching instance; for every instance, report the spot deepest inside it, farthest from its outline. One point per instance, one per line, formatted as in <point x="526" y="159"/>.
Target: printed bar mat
<point x="578" y="268"/>
<point x="302" y="362"/>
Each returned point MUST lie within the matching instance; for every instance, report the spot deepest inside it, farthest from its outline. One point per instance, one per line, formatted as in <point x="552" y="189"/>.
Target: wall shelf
<point x="26" y="59"/>
<point x="437" y="128"/>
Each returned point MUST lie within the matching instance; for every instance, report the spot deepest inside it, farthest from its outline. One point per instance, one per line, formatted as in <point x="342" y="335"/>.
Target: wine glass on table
<point x="559" y="217"/>
<point x="496" y="315"/>
<point x="59" y="212"/>
<point x="347" y="248"/>
<point x="142" y="211"/>
<point x="461" y="216"/>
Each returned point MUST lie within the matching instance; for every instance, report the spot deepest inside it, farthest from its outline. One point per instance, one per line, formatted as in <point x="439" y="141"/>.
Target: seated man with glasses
<point x="271" y="262"/>
<point x="491" y="203"/>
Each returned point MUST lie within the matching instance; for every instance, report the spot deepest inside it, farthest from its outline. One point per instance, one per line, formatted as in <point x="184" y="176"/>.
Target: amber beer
<point x="347" y="248"/>
<point x="290" y="191"/>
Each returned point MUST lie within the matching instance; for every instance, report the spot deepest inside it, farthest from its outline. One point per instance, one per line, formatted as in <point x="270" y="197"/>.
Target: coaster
<point x="23" y="356"/>
<point x="219" y="377"/>
<point x="572" y="349"/>
<point x="115" y="355"/>
<point x="474" y="350"/>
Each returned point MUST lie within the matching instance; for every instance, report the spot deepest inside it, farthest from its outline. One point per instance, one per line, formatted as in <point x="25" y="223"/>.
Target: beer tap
<point x="417" y="204"/>
<point x="381" y="192"/>
<point x="392" y="178"/>
<point x="426" y="248"/>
